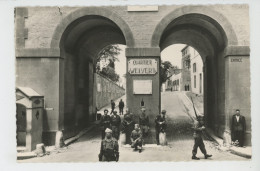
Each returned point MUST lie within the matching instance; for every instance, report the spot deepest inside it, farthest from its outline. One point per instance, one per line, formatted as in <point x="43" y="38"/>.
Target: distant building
<point x="196" y="71"/>
<point x="185" y="84"/>
<point x="173" y="83"/>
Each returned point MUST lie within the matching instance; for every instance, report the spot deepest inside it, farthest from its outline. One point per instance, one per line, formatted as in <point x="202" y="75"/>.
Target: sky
<point x="171" y="53"/>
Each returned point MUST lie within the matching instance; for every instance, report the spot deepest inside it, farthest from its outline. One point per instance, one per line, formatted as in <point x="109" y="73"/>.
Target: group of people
<point x="132" y="131"/>
<point x="121" y="106"/>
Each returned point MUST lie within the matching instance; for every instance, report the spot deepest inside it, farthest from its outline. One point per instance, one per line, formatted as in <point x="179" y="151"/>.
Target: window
<point x="194" y="81"/>
<point x="194" y="67"/>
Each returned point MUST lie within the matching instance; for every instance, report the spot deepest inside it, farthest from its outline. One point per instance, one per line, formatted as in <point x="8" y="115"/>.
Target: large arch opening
<point x="209" y="39"/>
<point x="80" y="44"/>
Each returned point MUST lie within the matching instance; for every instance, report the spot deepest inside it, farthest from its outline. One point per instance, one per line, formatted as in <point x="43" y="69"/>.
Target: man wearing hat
<point x="160" y="124"/>
<point x="115" y="123"/>
<point x="238" y="128"/>
<point x="104" y="123"/>
<point x="137" y="139"/>
<point x="198" y="141"/>
<point x="144" y="122"/>
<point x="109" y="150"/>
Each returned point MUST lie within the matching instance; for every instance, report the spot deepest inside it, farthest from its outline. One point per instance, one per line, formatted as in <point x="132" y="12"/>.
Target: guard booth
<point x="29" y="111"/>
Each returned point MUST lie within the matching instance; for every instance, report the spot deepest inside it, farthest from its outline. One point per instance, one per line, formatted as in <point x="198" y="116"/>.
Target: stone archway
<point x="82" y="35"/>
<point x="209" y="33"/>
<point x="88" y="11"/>
<point x="215" y="17"/>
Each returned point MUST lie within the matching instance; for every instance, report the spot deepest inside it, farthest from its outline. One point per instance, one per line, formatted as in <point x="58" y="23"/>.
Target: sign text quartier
<point x="142" y="66"/>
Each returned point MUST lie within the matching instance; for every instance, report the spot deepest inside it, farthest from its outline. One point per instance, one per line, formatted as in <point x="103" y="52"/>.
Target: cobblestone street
<point x="179" y="135"/>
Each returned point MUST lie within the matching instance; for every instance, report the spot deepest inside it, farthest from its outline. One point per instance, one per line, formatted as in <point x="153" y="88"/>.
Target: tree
<point x="165" y="71"/>
<point x="110" y="73"/>
<point x="109" y="54"/>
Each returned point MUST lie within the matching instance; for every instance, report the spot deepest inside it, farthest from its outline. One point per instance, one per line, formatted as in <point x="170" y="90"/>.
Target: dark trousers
<point x="157" y="136"/>
<point x="121" y="110"/>
<point x="239" y="135"/>
<point x="137" y="143"/>
<point x="103" y="134"/>
<point x="108" y="158"/>
<point x="198" y="142"/>
<point x="112" y="110"/>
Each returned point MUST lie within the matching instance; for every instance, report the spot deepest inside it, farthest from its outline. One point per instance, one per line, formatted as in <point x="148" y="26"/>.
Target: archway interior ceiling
<point x="91" y="34"/>
<point x="196" y="30"/>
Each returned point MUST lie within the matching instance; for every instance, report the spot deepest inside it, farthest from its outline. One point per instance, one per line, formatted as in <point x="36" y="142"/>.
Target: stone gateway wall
<point x="56" y="56"/>
<point x="107" y="90"/>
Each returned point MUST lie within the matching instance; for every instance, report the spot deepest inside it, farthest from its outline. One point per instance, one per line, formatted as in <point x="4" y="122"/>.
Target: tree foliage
<point x="165" y="71"/>
<point x="110" y="54"/>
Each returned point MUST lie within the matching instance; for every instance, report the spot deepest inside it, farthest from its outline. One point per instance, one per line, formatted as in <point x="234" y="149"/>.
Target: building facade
<point x="196" y="72"/>
<point x="56" y="57"/>
<point x="185" y="84"/>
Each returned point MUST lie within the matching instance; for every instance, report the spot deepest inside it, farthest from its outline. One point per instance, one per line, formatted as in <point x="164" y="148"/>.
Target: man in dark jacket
<point x="238" y="128"/>
<point x="115" y="124"/>
<point x="198" y="141"/>
<point x="121" y="107"/>
<point x="144" y="122"/>
<point x="160" y="124"/>
<point x="109" y="150"/>
<point x="127" y="127"/>
<point x="104" y="123"/>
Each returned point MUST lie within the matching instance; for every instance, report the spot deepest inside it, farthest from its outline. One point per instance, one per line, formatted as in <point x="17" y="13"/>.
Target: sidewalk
<point x="240" y="151"/>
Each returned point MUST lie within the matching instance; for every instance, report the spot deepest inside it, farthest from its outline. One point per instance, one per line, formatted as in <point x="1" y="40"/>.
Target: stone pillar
<point x="149" y="76"/>
<point x="237" y="88"/>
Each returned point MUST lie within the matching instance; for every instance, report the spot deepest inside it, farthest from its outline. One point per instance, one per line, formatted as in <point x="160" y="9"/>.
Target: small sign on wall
<point x="142" y="86"/>
<point x="235" y="59"/>
<point x="135" y="8"/>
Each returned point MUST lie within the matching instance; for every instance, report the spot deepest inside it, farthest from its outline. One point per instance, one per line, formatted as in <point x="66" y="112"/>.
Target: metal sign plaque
<point x="142" y="66"/>
<point x="142" y="86"/>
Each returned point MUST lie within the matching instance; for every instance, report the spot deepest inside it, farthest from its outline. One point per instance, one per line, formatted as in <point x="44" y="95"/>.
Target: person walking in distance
<point x="198" y="141"/>
<point x="113" y="105"/>
<point x="121" y="107"/>
<point x="144" y="122"/>
<point x="115" y="124"/>
<point x="104" y="123"/>
<point x="160" y="125"/>
<point x="109" y="150"/>
<point x="238" y="129"/>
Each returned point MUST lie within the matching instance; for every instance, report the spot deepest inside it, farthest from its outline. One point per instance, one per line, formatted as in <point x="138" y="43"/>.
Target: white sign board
<point x="142" y="86"/>
<point x="142" y="66"/>
<point x="142" y="8"/>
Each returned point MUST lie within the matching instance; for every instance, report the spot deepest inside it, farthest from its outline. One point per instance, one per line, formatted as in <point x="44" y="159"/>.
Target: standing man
<point x="198" y="141"/>
<point x="160" y="124"/>
<point x="121" y="107"/>
<point x="144" y="122"/>
<point x="115" y="123"/>
<point x="109" y="150"/>
<point x="238" y="128"/>
<point x="128" y="127"/>
<point x="112" y="106"/>
<point x="104" y="123"/>
<point x="137" y="139"/>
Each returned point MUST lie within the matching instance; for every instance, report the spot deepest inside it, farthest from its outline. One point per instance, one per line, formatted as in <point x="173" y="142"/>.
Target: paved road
<point x="179" y="136"/>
